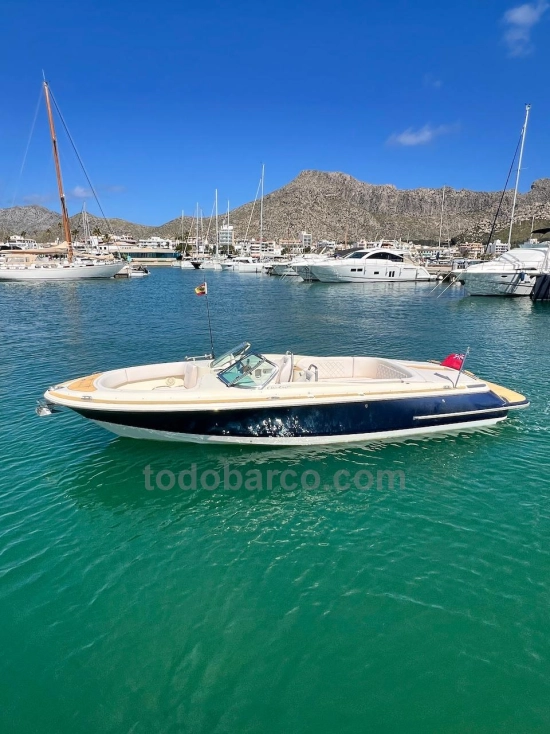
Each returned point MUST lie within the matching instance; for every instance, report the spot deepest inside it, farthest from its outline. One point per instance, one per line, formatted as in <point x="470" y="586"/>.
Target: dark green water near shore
<point x="422" y="608"/>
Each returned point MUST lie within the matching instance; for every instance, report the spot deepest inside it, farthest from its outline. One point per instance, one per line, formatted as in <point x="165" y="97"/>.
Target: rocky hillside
<point x="333" y="206"/>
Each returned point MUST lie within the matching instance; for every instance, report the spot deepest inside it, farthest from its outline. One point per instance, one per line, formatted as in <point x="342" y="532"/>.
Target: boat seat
<point x="190" y="375"/>
<point x="285" y="369"/>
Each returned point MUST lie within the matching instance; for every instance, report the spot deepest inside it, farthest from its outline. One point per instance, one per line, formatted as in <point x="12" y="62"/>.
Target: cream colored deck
<point x="84" y="384"/>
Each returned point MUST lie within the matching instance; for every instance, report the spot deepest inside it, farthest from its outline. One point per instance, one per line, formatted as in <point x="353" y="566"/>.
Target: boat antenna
<point x="523" y="134"/>
<point x="209" y="321"/>
<point x="64" y="213"/>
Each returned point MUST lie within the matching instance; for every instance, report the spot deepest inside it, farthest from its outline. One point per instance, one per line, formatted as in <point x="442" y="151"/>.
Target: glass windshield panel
<point x="231" y="356"/>
<point x="252" y="371"/>
<point x="355" y="255"/>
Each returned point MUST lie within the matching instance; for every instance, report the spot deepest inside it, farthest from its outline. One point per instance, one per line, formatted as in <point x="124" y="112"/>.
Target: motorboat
<point x="134" y="271"/>
<point x="246" y="397"/>
<point x="303" y="266"/>
<point x="299" y="266"/>
<point x="185" y="264"/>
<point x="207" y="264"/>
<point x="243" y="265"/>
<point x="512" y="274"/>
<point x="374" y="265"/>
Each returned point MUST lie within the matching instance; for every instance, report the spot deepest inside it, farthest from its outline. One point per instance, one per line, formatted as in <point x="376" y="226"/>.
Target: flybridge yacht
<point x="363" y="266"/>
<point x="512" y="274"/>
<point x="246" y="397"/>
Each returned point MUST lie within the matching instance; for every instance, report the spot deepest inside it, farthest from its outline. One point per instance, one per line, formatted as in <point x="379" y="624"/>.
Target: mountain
<point x="334" y="206"/>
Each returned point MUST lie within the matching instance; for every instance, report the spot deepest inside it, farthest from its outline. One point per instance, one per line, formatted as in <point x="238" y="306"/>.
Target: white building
<point x="497" y="248"/>
<point x="226" y="236"/>
<point x="306" y="239"/>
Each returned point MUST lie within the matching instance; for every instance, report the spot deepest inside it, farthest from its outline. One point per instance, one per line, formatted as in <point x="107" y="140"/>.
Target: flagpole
<point x="209" y="322"/>
<point x="462" y="365"/>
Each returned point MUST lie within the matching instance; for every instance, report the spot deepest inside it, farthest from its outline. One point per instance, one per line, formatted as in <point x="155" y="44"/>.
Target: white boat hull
<point x="356" y="273"/>
<point x="498" y="283"/>
<point x="244" y="267"/>
<point x="154" y="435"/>
<point x="61" y="272"/>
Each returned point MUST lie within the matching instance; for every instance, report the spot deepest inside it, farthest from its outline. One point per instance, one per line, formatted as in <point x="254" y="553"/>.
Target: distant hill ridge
<point x="332" y="206"/>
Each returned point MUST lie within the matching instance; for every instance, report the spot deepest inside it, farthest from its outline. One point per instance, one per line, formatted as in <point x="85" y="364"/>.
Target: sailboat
<point x="513" y="273"/>
<point x="71" y="268"/>
<point x="248" y="264"/>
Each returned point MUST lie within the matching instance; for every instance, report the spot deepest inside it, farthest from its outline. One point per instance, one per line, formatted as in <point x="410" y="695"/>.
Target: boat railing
<point x="315" y="371"/>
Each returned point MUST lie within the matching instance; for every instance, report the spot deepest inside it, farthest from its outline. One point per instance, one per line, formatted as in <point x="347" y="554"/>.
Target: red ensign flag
<point x="201" y="290"/>
<point x="454" y="361"/>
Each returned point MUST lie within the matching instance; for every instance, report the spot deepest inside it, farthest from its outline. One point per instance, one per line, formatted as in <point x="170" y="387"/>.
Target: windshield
<point x="231" y="356"/>
<point x="356" y="255"/>
<point x="253" y="371"/>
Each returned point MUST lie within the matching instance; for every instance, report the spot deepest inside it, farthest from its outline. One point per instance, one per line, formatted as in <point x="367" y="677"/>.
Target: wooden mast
<point x="64" y="213"/>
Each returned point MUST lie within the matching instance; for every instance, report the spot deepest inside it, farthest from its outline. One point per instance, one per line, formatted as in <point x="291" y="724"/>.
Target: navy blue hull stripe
<point x="335" y="419"/>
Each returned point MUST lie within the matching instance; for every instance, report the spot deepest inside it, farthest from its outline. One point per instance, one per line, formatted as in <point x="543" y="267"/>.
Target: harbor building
<point x="226" y="236"/>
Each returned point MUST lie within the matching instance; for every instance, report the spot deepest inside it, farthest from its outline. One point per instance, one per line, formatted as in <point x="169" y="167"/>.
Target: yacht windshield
<point x="252" y="371"/>
<point x="357" y="255"/>
<point x="230" y="356"/>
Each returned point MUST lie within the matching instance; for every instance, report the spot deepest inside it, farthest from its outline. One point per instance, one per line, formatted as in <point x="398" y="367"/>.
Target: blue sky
<point x="167" y="101"/>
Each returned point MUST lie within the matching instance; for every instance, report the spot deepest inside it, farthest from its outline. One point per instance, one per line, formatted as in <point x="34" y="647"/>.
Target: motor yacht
<point x="207" y="264"/>
<point x="299" y="266"/>
<point x="512" y="274"/>
<point x="243" y="265"/>
<point x="374" y="265"/>
<point x="247" y="397"/>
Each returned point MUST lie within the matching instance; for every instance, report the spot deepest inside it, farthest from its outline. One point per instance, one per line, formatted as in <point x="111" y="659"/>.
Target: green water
<point x="417" y="609"/>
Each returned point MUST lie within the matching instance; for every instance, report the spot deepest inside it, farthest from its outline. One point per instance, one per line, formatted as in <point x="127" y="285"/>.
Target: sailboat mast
<point x="64" y="213"/>
<point x="217" y="229"/>
<point x="523" y="133"/>
<point x="441" y="220"/>
<point x="262" y="209"/>
<point x="197" y="237"/>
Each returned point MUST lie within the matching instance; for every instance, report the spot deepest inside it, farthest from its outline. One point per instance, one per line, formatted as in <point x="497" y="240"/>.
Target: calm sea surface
<point x="416" y="609"/>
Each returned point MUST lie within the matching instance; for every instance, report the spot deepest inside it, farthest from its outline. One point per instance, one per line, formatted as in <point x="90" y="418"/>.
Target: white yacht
<point x="512" y="274"/>
<point x="207" y="263"/>
<point x="243" y="265"/>
<point x="245" y="397"/>
<point x="365" y="266"/>
<point x="303" y="266"/>
<point x="75" y="269"/>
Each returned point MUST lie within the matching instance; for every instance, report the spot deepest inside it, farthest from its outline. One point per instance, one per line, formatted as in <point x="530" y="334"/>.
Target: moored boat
<point x="512" y="274"/>
<point x="375" y="265"/>
<point x="246" y="397"/>
<point x="71" y="268"/>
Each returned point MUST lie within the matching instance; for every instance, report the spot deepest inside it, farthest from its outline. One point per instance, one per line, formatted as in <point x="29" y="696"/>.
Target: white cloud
<point x="520" y="21"/>
<point x="422" y="136"/>
<point x="432" y="81"/>
<point x="79" y="192"/>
